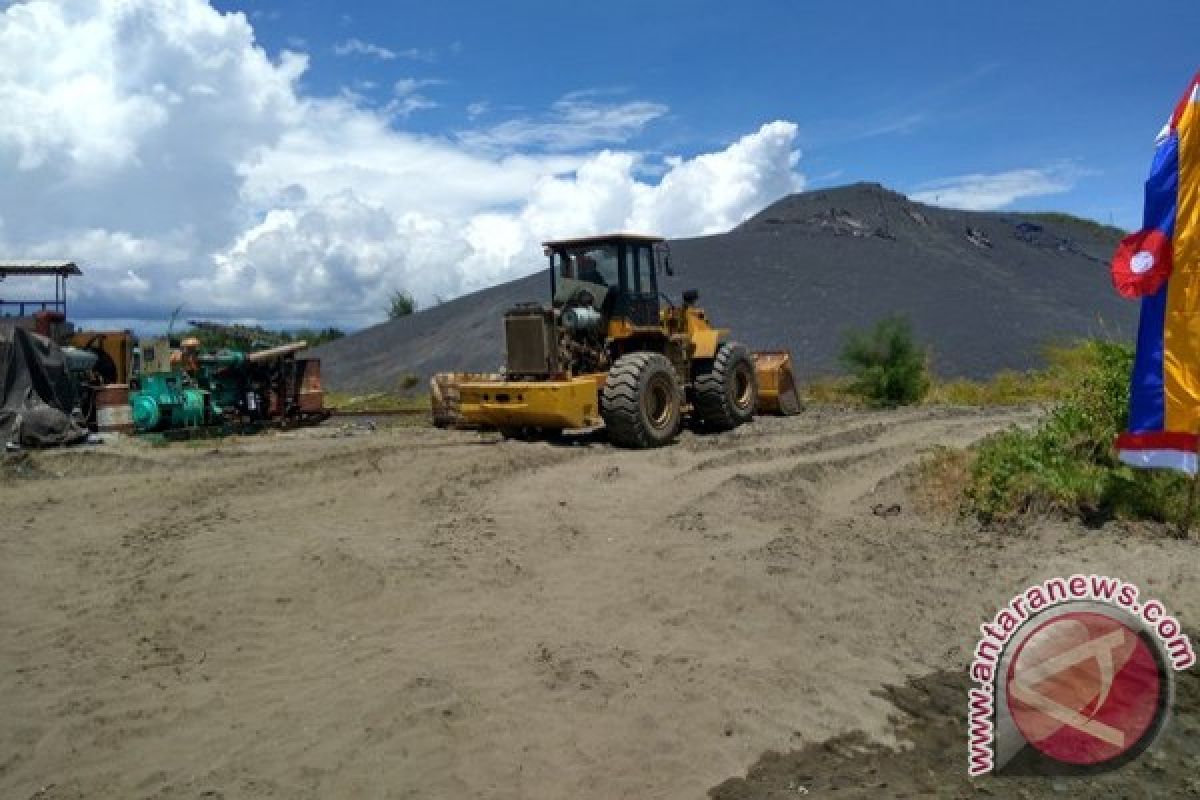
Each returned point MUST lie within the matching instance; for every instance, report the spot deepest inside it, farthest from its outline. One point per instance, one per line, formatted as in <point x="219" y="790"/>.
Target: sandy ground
<point x="410" y="613"/>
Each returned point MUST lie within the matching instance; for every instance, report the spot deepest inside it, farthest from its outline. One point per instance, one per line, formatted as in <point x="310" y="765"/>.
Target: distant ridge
<point x="985" y="290"/>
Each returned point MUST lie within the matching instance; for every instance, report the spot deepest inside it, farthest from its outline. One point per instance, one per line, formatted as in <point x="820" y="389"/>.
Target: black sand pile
<point x="985" y="290"/>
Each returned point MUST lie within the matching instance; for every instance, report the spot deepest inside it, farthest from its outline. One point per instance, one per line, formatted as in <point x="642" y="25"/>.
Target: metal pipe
<point x="276" y="352"/>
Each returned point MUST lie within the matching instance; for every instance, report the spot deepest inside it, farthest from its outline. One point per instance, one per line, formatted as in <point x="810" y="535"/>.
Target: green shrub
<point x="888" y="366"/>
<point x="1068" y="463"/>
<point x="401" y="304"/>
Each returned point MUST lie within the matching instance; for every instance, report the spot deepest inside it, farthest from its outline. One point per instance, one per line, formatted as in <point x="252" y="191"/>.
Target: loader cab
<point x="614" y="275"/>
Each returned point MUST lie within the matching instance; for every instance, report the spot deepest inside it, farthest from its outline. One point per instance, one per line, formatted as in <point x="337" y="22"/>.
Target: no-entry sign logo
<point x="1074" y="675"/>
<point x="1085" y="688"/>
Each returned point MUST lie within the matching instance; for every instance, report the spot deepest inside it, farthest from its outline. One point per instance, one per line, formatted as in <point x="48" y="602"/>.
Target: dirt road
<point x="412" y="613"/>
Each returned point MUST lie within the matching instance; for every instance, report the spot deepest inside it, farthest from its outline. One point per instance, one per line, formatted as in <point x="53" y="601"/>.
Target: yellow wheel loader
<point x="612" y="350"/>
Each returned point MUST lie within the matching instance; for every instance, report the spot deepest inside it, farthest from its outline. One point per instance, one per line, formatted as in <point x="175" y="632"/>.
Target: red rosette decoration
<point x="1142" y="263"/>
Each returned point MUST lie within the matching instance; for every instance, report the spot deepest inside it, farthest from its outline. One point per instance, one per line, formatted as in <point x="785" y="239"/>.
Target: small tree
<point x="402" y="304"/>
<point x="888" y="365"/>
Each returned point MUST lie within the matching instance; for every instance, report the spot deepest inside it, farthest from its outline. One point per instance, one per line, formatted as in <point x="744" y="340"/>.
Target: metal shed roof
<point x="18" y="266"/>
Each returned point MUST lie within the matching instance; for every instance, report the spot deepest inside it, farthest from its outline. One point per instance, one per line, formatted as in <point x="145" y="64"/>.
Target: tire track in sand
<point x="834" y="468"/>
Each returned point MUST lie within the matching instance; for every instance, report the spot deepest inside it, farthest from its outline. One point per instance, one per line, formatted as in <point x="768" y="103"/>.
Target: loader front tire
<point x="726" y="390"/>
<point x="640" y="402"/>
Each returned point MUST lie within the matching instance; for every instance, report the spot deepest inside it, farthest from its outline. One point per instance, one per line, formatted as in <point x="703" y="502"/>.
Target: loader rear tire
<point x="640" y="402"/>
<point x="726" y="393"/>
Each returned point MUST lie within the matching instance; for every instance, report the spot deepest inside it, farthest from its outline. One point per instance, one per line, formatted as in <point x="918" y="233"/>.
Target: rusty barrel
<point x="310" y="396"/>
<point x="113" y="414"/>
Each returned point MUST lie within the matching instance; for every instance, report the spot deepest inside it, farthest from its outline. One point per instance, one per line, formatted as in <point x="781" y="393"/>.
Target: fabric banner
<point x="1161" y="265"/>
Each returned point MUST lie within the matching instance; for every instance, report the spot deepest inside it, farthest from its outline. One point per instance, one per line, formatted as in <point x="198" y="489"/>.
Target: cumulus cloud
<point x="990" y="191"/>
<point x="402" y="227"/>
<point x="166" y="151"/>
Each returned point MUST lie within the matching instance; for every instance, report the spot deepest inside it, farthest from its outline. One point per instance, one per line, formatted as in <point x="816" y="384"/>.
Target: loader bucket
<point x="777" y="392"/>
<point x="444" y="397"/>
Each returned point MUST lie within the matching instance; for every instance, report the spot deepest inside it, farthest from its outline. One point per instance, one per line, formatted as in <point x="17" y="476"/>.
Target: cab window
<point x="596" y="265"/>
<point x="643" y="268"/>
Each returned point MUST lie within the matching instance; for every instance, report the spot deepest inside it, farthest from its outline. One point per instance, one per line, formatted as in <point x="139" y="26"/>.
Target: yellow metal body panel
<point x="687" y="321"/>
<point x="117" y="345"/>
<point x="624" y="329"/>
<point x="776" y="383"/>
<point x="691" y="323"/>
<point x="567" y="403"/>
<point x="620" y="329"/>
<point x="704" y="343"/>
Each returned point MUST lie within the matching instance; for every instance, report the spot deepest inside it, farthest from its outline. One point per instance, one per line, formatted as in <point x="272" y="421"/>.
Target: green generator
<point x="164" y="400"/>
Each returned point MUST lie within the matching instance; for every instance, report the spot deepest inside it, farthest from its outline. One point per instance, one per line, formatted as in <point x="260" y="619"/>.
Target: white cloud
<point x="904" y="124"/>
<point x="990" y="191"/>
<point x="411" y="85"/>
<point x="576" y="121"/>
<point x="478" y="108"/>
<point x="423" y="217"/>
<point x="163" y="149"/>
<point x="715" y="191"/>
<point x="357" y="47"/>
<point x="419" y="54"/>
<point x="407" y="96"/>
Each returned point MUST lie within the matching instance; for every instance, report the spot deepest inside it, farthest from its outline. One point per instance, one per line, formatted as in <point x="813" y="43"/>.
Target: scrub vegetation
<point x="254" y="337"/>
<point x="1065" y="363"/>
<point x="1067" y="463"/>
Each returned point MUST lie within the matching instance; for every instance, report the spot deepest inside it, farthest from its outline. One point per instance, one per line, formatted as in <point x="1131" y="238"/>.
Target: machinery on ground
<point x="116" y="386"/>
<point x="612" y="350"/>
<point x="93" y="359"/>
<point x="113" y="350"/>
<point x="186" y="388"/>
<point x="166" y="398"/>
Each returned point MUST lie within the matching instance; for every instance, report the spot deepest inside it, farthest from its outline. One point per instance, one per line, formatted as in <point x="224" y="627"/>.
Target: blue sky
<point x="294" y="163"/>
<point x="904" y="93"/>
